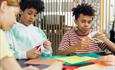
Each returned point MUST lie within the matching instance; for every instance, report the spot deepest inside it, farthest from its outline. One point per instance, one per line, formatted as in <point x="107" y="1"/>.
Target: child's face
<point x="84" y="23"/>
<point x="28" y="16"/>
<point x="8" y="16"/>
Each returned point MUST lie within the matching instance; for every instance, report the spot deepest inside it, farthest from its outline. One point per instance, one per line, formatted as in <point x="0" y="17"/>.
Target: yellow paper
<point x="75" y="59"/>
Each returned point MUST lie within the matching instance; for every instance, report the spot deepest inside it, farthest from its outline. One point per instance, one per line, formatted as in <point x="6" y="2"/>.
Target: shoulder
<point x="36" y="29"/>
<point x="33" y="27"/>
<point x="1" y="33"/>
<point x="16" y="27"/>
<point x="17" y="24"/>
<point x="70" y="32"/>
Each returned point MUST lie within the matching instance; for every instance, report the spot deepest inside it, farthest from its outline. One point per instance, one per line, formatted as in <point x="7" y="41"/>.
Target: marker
<point x="38" y="47"/>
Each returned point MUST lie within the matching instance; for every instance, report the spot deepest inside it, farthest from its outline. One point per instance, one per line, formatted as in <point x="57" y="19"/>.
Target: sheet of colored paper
<point x="90" y="67"/>
<point x="75" y="59"/>
<point x="96" y="67"/>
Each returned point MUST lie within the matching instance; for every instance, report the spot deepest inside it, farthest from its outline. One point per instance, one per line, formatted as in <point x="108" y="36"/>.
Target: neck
<point x="80" y="33"/>
<point x="22" y="23"/>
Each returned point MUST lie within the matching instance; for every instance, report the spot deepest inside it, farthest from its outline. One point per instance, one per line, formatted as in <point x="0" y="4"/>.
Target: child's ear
<point x="3" y="6"/>
<point x="76" y="21"/>
<point x="21" y="12"/>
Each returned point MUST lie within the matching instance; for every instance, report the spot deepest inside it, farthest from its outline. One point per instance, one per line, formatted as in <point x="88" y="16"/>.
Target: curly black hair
<point x="36" y="4"/>
<point x="84" y="9"/>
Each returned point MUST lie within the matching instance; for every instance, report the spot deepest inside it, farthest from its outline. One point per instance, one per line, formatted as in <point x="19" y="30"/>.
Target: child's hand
<point x="85" y="42"/>
<point x="47" y="44"/>
<point x="82" y="45"/>
<point x="33" y="53"/>
<point x="100" y="36"/>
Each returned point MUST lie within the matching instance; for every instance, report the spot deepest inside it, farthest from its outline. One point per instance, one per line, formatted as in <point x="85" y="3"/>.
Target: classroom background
<point x="57" y="18"/>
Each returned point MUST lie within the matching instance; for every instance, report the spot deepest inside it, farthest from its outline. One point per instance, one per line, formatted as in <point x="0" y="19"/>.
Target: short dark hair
<point x="84" y="9"/>
<point x="36" y="4"/>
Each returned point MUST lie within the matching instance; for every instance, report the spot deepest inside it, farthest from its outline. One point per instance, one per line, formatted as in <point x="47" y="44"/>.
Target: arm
<point x="9" y="63"/>
<point x="65" y="46"/>
<point x="33" y="53"/>
<point x="46" y="44"/>
<point x="12" y="43"/>
<point x="6" y="57"/>
<point x="110" y="45"/>
<point x="68" y="50"/>
<point x="30" y="54"/>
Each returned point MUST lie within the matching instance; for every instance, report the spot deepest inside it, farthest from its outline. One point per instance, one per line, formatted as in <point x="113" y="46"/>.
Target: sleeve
<point x="20" y="54"/>
<point x="103" y="47"/>
<point x="65" y="42"/>
<point x="12" y="44"/>
<point x="45" y="51"/>
<point x="43" y="35"/>
<point x="10" y="40"/>
<point x="4" y="47"/>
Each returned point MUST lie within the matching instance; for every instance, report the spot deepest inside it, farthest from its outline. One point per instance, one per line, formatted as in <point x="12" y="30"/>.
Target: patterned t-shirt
<point x="71" y="38"/>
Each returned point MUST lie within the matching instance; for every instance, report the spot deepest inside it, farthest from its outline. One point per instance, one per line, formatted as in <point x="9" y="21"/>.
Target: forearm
<point x="66" y="51"/>
<point x="10" y="63"/>
<point x="111" y="46"/>
<point x="46" y="51"/>
<point x="61" y="52"/>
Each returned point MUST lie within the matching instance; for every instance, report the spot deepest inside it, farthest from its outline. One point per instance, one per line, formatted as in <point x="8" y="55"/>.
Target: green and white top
<point x="4" y="47"/>
<point x="23" y="38"/>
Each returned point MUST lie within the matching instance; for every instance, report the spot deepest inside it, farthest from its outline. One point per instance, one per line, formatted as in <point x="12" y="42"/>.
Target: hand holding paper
<point x="47" y="44"/>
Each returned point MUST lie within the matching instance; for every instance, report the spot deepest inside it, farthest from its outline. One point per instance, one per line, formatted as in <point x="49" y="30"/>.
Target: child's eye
<point x="89" y="22"/>
<point x="29" y="13"/>
<point x="35" y="15"/>
<point x="83" y="21"/>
